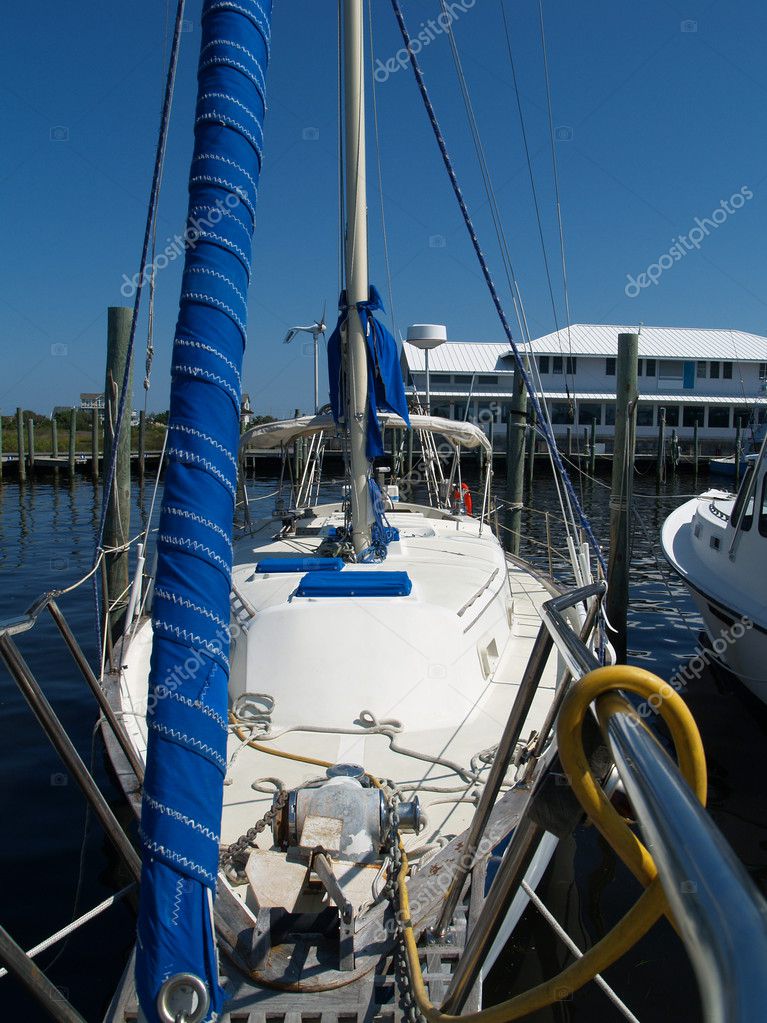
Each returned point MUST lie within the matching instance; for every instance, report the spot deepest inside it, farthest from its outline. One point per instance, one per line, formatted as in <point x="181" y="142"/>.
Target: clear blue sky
<point x="660" y="126"/>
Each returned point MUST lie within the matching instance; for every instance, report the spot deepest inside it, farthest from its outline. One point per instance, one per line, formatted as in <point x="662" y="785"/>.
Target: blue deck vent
<point x="355" y="584"/>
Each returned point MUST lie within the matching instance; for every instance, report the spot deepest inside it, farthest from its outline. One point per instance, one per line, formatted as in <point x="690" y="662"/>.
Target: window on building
<point x="672" y="415"/>
<point x="719" y="416"/>
<point x="462" y="378"/>
<point x="714" y="370"/>
<point x="649" y="367"/>
<point x="543" y="363"/>
<point x="610" y="367"/>
<point x="589" y="413"/>
<point x="556" y="364"/>
<point x="693" y="414"/>
<point x="610" y="414"/>
<point x="639" y="367"/>
<point x="702" y="367"/>
<point x="727" y="370"/>
<point x="763" y="370"/>
<point x="671" y="369"/>
<point x="572" y="365"/>
<point x="645" y="414"/>
<point x="560" y="413"/>
<point x="487" y="380"/>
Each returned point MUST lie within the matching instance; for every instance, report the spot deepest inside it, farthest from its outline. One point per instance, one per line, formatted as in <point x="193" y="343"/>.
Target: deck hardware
<point x="182" y="986"/>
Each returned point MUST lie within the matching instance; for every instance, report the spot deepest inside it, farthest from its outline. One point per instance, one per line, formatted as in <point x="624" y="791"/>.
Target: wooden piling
<point x="695" y="447"/>
<point x="569" y="442"/>
<point x="72" y="440"/>
<point x="95" y="444"/>
<point x="622" y="479"/>
<point x="738" y="449"/>
<point x="117" y="446"/>
<point x="20" y="444"/>
<point x="141" y="444"/>
<point x="593" y="448"/>
<point x="515" y="457"/>
<point x="31" y="441"/>
<point x="660" y="462"/>
<point x="530" y="454"/>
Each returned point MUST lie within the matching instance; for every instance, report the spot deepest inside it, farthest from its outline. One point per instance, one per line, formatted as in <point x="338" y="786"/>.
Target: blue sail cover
<point x="386" y="389"/>
<point x="187" y="707"/>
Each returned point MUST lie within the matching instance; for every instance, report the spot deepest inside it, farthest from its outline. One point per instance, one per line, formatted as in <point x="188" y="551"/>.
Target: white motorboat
<point x="717" y="543"/>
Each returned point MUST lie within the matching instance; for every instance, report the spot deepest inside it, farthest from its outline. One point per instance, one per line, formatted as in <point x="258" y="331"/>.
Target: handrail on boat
<point x="695" y="877"/>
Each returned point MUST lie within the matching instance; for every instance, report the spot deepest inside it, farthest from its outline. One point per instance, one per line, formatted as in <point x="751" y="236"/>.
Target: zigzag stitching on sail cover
<point x="197" y="371"/>
<point x="190" y="456"/>
<point x="181" y="818"/>
<point x="230" y="163"/>
<point x="229" y="122"/>
<point x="215" y="273"/>
<point x="184" y="861"/>
<point x="208" y="235"/>
<point x="174" y="733"/>
<point x="188" y="342"/>
<point x="200" y="520"/>
<point x="235" y="101"/>
<point x="229" y="5"/>
<point x="194" y="432"/>
<point x="259" y="82"/>
<point x="165" y="693"/>
<point x="158" y="623"/>
<point x="177" y="901"/>
<point x="198" y="296"/>
<point x="185" y="602"/>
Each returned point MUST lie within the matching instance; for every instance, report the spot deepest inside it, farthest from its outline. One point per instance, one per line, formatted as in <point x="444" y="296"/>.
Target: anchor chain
<point x="410" y="1011"/>
<point x="235" y="856"/>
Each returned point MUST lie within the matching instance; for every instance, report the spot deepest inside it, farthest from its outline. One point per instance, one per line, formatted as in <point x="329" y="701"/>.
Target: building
<point x="89" y="401"/>
<point x="704" y="376"/>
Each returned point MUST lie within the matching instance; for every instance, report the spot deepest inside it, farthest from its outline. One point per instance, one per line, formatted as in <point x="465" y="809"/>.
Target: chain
<point x="235" y="856"/>
<point x="410" y="1010"/>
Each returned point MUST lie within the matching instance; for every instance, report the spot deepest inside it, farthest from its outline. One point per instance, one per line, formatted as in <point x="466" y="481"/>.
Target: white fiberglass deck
<point x="433" y="674"/>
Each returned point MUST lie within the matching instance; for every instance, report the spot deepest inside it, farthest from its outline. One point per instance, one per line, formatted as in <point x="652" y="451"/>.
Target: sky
<point x="659" y="117"/>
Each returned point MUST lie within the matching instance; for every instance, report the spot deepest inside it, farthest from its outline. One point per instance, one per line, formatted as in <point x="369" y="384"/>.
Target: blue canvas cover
<point x="386" y="389"/>
<point x="355" y="584"/>
<point x="187" y="706"/>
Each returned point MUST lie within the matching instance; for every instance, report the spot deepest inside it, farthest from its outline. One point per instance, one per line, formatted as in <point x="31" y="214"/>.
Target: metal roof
<point x="596" y="339"/>
<point x="687" y="398"/>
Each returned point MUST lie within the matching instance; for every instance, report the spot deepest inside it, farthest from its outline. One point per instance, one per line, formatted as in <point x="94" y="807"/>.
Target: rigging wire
<point x="150" y="218"/>
<point x="511" y="277"/>
<point x="586" y="525"/>
<point x="376" y="133"/>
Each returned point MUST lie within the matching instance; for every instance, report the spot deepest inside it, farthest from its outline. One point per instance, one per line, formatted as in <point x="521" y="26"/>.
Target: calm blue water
<point x="46" y="539"/>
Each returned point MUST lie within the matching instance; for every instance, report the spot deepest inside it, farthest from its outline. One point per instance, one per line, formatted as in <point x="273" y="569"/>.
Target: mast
<point x="357" y="285"/>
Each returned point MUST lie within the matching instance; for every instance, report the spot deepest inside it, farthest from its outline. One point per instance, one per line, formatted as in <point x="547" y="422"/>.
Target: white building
<point x="712" y="377"/>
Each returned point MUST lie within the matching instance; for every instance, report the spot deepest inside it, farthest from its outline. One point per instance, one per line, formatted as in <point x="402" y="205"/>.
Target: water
<point x="46" y="539"/>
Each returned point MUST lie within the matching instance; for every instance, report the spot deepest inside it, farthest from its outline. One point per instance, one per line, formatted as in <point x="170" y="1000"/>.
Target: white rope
<point x="54" y="938"/>
<point x="565" y="938"/>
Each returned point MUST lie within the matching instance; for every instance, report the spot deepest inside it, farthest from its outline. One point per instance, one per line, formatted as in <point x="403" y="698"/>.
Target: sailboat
<point x="355" y="668"/>
<point x="717" y="544"/>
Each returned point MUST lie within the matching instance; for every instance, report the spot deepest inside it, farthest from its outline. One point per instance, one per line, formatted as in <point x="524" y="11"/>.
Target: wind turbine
<point x="317" y="330"/>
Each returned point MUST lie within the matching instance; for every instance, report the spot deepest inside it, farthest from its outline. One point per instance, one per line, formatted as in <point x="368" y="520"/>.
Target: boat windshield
<point x="743" y="493"/>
